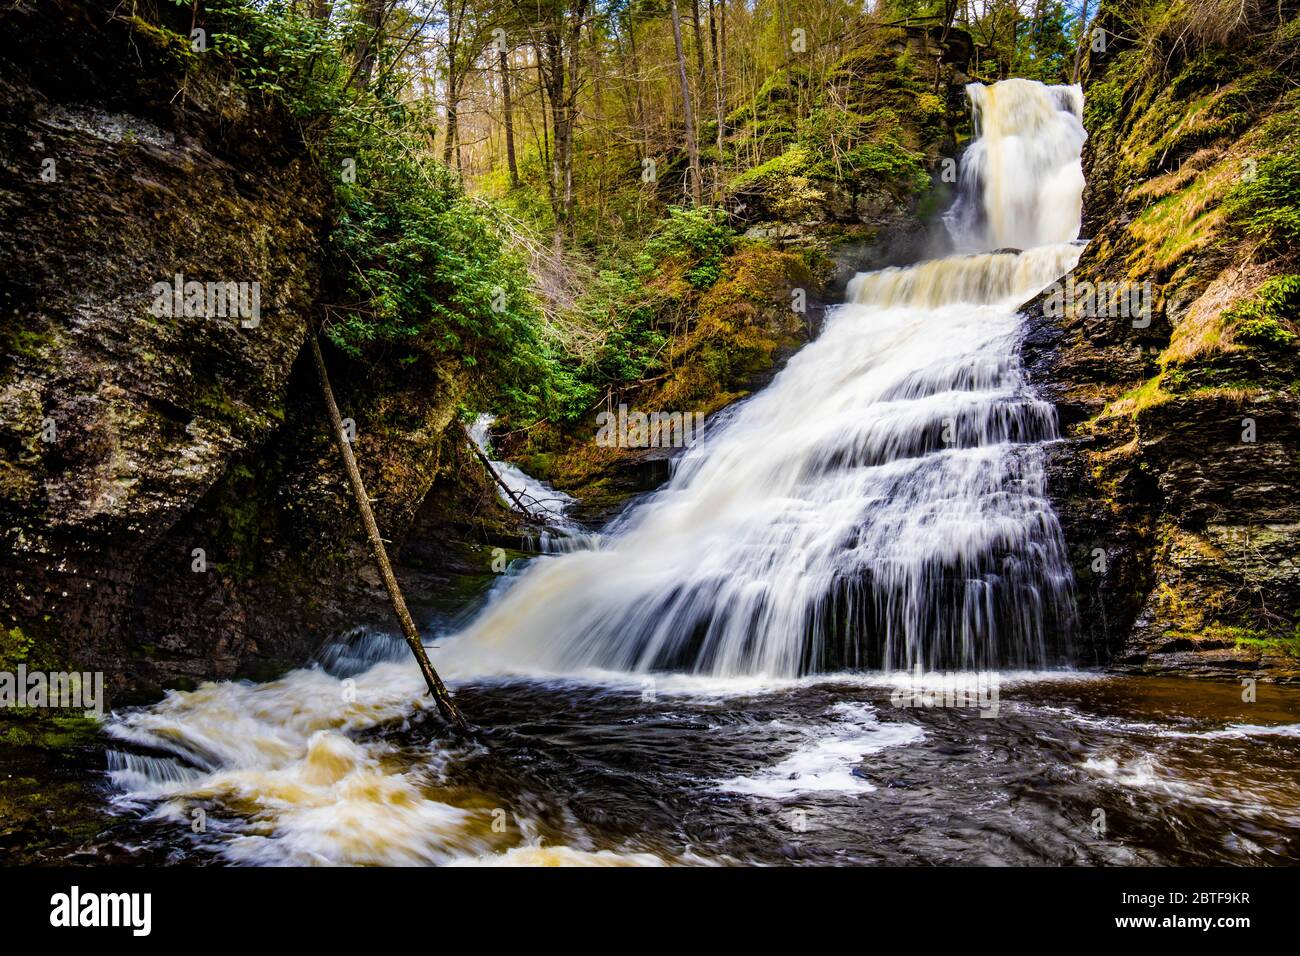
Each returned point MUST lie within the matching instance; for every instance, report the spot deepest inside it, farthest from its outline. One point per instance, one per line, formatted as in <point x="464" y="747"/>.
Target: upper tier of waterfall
<point x="1021" y="181"/>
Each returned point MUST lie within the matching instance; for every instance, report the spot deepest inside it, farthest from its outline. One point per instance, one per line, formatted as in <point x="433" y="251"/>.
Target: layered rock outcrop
<point x="1179" y="481"/>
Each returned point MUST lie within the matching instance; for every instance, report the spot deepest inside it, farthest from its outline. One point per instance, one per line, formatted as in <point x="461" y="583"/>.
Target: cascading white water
<point x="882" y="502"/>
<point x="1021" y="184"/>
<point x="545" y="502"/>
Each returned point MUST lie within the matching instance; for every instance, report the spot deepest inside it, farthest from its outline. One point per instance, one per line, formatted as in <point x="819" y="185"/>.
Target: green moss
<point x="26" y="343"/>
<point x="167" y="42"/>
<point x="1290" y="646"/>
<point x="46" y="729"/>
<point x="1184" y="127"/>
<point x="795" y="161"/>
<point x="540" y="465"/>
<point x="884" y="163"/>
<point x="1287" y="644"/>
<point x="1240" y="636"/>
<point x="44" y="801"/>
<point x="1263" y="320"/>
<point x="1182" y="222"/>
<point x="1137" y="400"/>
<point x="65" y="731"/>
<point x="240" y="510"/>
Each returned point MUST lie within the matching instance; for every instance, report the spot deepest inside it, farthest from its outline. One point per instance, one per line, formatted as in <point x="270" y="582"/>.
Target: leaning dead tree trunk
<point x="436" y="687"/>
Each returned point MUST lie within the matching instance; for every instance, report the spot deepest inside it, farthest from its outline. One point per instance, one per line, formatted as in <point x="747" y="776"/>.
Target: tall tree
<point x="459" y="59"/>
<point x="692" y="143"/>
<point x="718" y="41"/>
<point x="369" y="38"/>
<point x="508" y="118"/>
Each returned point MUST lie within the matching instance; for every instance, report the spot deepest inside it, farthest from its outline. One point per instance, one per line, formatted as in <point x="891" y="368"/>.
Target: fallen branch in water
<point x="487" y="463"/>
<point x="436" y="687"/>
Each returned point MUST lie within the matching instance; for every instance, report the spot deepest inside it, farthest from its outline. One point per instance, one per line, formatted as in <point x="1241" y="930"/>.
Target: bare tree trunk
<point x="718" y="54"/>
<point x="699" y="45"/>
<point x="950" y="11"/>
<point x="551" y="72"/>
<point x="367" y="49"/>
<point x="573" y="52"/>
<point x="596" y="73"/>
<point x="509" y="120"/>
<point x="692" y="145"/>
<point x="546" y="129"/>
<point x="449" y="143"/>
<point x="636" y="72"/>
<point x="437" y="688"/>
<point x="559" y="150"/>
<point x="1083" y="42"/>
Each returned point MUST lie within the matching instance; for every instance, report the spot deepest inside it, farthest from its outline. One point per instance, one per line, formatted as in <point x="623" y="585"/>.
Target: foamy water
<point x="880" y="505"/>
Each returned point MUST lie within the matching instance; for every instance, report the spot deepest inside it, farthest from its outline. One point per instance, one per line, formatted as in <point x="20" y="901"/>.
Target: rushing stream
<point x="724" y="675"/>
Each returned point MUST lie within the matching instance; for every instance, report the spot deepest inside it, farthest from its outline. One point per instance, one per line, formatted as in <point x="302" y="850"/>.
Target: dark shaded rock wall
<point x="128" y="440"/>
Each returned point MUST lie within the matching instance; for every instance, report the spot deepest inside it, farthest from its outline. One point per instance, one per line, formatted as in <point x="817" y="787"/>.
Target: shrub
<point x="1267" y="205"/>
<point x="417" y="270"/>
<point x="1263" y="320"/>
<point x="698" y="238"/>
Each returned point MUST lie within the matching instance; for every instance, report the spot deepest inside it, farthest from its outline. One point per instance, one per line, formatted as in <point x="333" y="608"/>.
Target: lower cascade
<point x="881" y="504"/>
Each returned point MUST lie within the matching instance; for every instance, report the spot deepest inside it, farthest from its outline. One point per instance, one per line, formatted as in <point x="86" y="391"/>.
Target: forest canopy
<point x="504" y="172"/>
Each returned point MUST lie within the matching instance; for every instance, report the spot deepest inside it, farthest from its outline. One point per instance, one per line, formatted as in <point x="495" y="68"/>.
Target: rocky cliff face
<point x="1179" y="484"/>
<point x="172" y="507"/>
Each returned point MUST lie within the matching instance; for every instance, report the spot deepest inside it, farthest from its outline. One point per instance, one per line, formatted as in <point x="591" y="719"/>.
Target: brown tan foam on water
<point x="281" y="782"/>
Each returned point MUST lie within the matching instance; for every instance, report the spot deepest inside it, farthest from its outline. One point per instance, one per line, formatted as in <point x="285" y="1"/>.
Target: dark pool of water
<point x="1073" y="769"/>
<point x="1114" y="770"/>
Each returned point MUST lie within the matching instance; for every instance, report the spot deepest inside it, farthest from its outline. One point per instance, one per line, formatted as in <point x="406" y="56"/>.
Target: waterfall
<point x="1021" y="182"/>
<point x="549" y="504"/>
<point x="882" y="502"/>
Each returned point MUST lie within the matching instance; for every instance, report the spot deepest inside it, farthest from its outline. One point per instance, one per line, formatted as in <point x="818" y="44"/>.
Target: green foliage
<point x="699" y="238"/>
<point x="1267" y="204"/>
<point x="1102" y="106"/>
<point x="429" y="274"/>
<point x="15" y="648"/>
<point x="420" y="271"/>
<point x="635" y="304"/>
<point x="1265" y="331"/>
<point x="1261" y="320"/>
<point x="867" y="124"/>
<point x="628" y="314"/>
